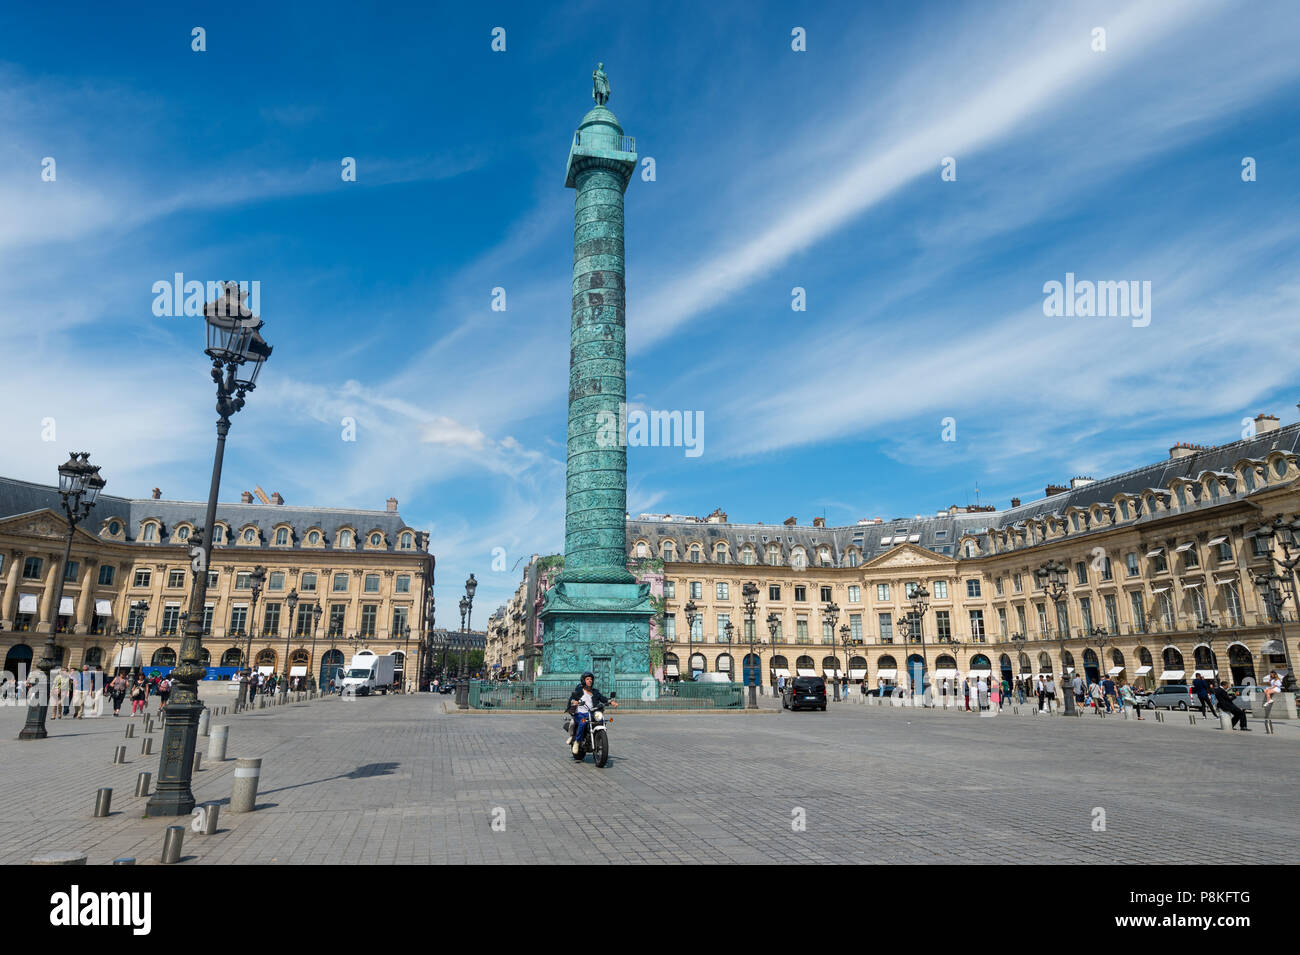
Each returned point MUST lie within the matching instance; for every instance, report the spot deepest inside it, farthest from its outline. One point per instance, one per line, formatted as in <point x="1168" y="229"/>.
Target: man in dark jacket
<point x="1229" y="705"/>
<point x="582" y="701"/>
<point x="1202" y="691"/>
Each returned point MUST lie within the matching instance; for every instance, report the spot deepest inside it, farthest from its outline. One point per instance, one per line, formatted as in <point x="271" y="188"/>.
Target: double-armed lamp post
<point x="1277" y="587"/>
<point x="750" y="594"/>
<point x="79" y="487"/>
<point x="257" y="578"/>
<point x="238" y="351"/>
<point x="1053" y="577"/>
<point x="830" y="617"/>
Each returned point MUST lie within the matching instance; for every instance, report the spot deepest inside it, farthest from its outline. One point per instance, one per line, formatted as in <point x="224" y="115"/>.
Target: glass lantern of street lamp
<point x="730" y="629"/>
<point x="254" y="355"/>
<point x="228" y="329"/>
<point x="471" y="585"/>
<point x="292" y="601"/>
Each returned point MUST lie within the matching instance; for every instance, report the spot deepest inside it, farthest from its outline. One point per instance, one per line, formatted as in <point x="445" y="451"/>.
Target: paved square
<point x="397" y="780"/>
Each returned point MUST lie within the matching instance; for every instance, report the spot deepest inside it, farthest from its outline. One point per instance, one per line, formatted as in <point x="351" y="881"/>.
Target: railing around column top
<point x="621" y="144"/>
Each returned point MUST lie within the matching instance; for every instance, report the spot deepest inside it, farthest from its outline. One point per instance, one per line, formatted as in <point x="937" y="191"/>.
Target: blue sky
<point x="774" y="169"/>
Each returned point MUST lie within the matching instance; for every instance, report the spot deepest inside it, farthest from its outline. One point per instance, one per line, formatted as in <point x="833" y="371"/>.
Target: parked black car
<point x="805" y="692"/>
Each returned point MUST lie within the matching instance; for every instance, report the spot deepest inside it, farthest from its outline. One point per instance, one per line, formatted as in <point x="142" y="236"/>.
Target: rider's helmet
<point x="583" y="679"/>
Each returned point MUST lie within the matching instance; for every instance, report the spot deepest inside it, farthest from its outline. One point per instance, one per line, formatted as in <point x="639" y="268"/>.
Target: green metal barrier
<point x="642" y="694"/>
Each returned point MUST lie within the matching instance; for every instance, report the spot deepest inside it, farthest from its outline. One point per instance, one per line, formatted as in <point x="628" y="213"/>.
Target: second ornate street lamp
<point x="750" y="594"/>
<point x="138" y="610"/>
<point x="846" y="638"/>
<point x="1053" y="577"/>
<point x="1282" y="586"/>
<point x="292" y="600"/>
<point x="730" y="629"/>
<point x="257" y="578"/>
<point x="238" y="352"/>
<point x="313" y="682"/>
<point x="773" y="625"/>
<point x="830" y="617"/>
<point x="79" y="487"/>
<point x="471" y="585"/>
<point x="915" y="623"/>
<point x="692" y="614"/>
<point x="1211" y="630"/>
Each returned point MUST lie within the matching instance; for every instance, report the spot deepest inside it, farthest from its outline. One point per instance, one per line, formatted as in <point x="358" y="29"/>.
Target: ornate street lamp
<point x="915" y="632"/>
<point x="1281" y="587"/>
<point x="1053" y="576"/>
<point x="773" y="625"/>
<point x="830" y="617"/>
<point x="292" y="601"/>
<point x="1210" y="629"/>
<point x="846" y="638"/>
<point x="257" y="578"/>
<point x="79" y="487"/>
<point x="750" y="594"/>
<point x="238" y="351"/>
<point x="471" y="585"/>
<point x="315" y="619"/>
<point x="138" y="609"/>
<point x="464" y="607"/>
<point x="692" y="614"/>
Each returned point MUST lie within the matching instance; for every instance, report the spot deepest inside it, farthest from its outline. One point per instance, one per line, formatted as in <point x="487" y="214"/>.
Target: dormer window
<point x="670" y="550"/>
<point x="114" y="528"/>
<point x="149" y="533"/>
<point x="313" y="537"/>
<point x="375" y="540"/>
<point x="345" y="539"/>
<point x="218" y="534"/>
<point x="249" y="535"/>
<point x="183" y="534"/>
<point x="407" y="541"/>
<point x="282" y="536"/>
<point x="641" y="550"/>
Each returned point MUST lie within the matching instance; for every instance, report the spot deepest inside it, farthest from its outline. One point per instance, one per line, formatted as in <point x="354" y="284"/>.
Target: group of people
<point x="74" y="693"/>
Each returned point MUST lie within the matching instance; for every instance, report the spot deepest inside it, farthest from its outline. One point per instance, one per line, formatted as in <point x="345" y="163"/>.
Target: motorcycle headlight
<point x="599" y="716"/>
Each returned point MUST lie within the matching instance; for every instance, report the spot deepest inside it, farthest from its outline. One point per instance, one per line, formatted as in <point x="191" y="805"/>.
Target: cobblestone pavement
<point x="398" y="780"/>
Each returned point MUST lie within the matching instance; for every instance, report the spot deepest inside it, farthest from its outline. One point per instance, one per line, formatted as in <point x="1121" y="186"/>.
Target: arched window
<point x="642" y="549"/>
<point x="282" y="536"/>
<point x="1044" y="663"/>
<point x="266" y="658"/>
<point x="218" y="534"/>
<point x="1025" y="666"/>
<point x="407" y="541"/>
<point x="345" y="539"/>
<point x="164" y="657"/>
<point x="375" y="540"/>
<point x="670" y="550"/>
<point x="720" y="553"/>
<point x="945" y="662"/>
<point x="94" y="657"/>
<point x="183" y="534"/>
<point x="698" y="663"/>
<point x="114" y="528"/>
<point x="774" y="554"/>
<point x="249" y="535"/>
<point x="747" y="555"/>
<point x="233" y="657"/>
<point x="804" y="666"/>
<point x="695" y="553"/>
<point x="1204" y="659"/>
<point x="799" y="560"/>
<point x="150" y="533"/>
<point x="853" y="558"/>
<point x="313" y="537"/>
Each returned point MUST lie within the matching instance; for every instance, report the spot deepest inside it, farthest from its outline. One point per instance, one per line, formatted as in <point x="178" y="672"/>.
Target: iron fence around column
<point x="645" y="693"/>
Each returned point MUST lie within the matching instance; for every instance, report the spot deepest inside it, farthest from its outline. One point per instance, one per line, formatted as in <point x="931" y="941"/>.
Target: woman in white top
<point x="1274" y="686"/>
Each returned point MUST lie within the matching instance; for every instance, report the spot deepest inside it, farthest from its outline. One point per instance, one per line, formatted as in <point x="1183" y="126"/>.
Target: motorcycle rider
<point x="582" y="701"/>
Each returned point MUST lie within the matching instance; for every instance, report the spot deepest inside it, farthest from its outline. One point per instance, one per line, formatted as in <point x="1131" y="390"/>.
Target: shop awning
<point x="266" y="671"/>
<point x="800" y="671"/>
<point x="1182" y="547"/>
<point x="127" y="657"/>
<point x="671" y="669"/>
<point x="297" y="671"/>
<point x="834" y="674"/>
<point x="1189" y="584"/>
<point x="1113" y="670"/>
<point x="889" y="673"/>
<point x="1216" y="540"/>
<point x="1159" y="590"/>
<point x="856" y="674"/>
<point x="781" y="671"/>
<point x="104" y="608"/>
<point x="1142" y="670"/>
<point x="27" y="603"/>
<point x="1155" y="552"/>
<point x="66" y="608"/>
<point x="1172" y="675"/>
<point x="1206" y="672"/>
<point x="1272" y="646"/>
<point x="976" y="674"/>
<point x="945" y="674"/>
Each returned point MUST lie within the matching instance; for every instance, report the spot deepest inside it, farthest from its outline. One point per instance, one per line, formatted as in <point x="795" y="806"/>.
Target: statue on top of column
<point x="600" y="85"/>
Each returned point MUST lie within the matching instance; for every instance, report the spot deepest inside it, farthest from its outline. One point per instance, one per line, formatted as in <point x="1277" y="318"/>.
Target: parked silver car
<point x="1175" y="696"/>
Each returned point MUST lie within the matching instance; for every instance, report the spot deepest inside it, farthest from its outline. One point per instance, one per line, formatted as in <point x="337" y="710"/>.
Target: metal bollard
<point x="217" y="742"/>
<point x="124" y="860"/>
<point x="103" y="800"/>
<point x="205" y="720"/>
<point x="142" y="784"/>
<point x="147" y="748"/>
<point x="198" y="759"/>
<point x="247" y="773"/>
<point x="130" y="730"/>
<point x="119" y="754"/>
<point x="1191" y="718"/>
<point x="1225" y="721"/>
<point x="172" y="843"/>
<point x="211" y="812"/>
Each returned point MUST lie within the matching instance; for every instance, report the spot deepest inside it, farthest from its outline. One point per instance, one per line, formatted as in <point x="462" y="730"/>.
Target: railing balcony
<point x="618" y="144"/>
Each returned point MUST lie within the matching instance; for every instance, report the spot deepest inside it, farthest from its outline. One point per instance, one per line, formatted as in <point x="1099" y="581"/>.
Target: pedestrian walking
<point x="79" y="679"/>
<point x="1127" y="695"/>
<point x="117" y="691"/>
<point x="1111" y="693"/>
<point x="1079" y="689"/>
<point x="1095" y="696"/>
<point x="139" y="696"/>
<point x="1202" y="690"/>
<point x="164" y="691"/>
<point x="1050" y="686"/>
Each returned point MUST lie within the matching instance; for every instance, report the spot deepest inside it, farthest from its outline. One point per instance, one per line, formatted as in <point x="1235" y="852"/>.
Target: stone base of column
<point x="173" y="796"/>
<point x="604" y="628"/>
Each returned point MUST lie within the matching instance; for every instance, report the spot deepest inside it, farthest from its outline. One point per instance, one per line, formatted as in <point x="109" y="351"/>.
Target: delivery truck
<point x="368" y="673"/>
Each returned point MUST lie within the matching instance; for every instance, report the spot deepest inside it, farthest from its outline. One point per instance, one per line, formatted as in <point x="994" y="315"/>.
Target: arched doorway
<point x="752" y="669"/>
<point x="1242" y="664"/>
<point x="300" y="667"/>
<point x="804" y="666"/>
<point x="726" y="665"/>
<point x="698" y="664"/>
<point x="1026" y="668"/>
<point x="1116" y="670"/>
<point x="672" y="667"/>
<point x="918" y="676"/>
<point x="1091" y="666"/>
<point x="1067" y="663"/>
<point x="1044" y="664"/>
<point x="18" y="661"/>
<point x="1203" y="661"/>
<point x="979" y="664"/>
<point x="780" y="668"/>
<point x="205" y="657"/>
<point x="95" y="657"/>
<point x="331" y="667"/>
<point x="1004" y="664"/>
<point x="233" y="657"/>
<point x="265" y="661"/>
<point x="163" y="657"/>
<point x="831" y="668"/>
<point x="858" y="669"/>
<point x="1144" y="675"/>
<point x="886" y="672"/>
<point x="1174" y="670"/>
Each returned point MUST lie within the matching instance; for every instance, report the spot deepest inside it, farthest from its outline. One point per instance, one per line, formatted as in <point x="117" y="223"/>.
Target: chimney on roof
<point x="878" y="520"/>
<point x="392" y="505"/>
<point x="157" y="494"/>
<point x="246" y="497"/>
<point x="1264" y="423"/>
<point x="819" y="522"/>
<point x="1055" y="489"/>
<point x="1015" y="502"/>
<point x="1181" y="450"/>
<point x="790" y="522"/>
<point x="719" y="516"/>
<point x="276" y="498"/>
<point x="1080" y="482"/>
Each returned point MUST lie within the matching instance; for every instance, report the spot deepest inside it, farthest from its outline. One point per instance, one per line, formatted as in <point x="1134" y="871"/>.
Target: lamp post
<point x="238" y="352"/>
<point x="1053" y="577"/>
<point x="692" y="614"/>
<point x="79" y="487"/>
<point x="1210" y="629"/>
<point x="773" y="624"/>
<point x="730" y="630"/>
<point x="1287" y="535"/>
<point x="313" y="682"/>
<point x="471" y="585"/>
<point x="830" y="617"/>
<point x="464" y="606"/>
<point x="257" y="578"/>
<point x="750" y="594"/>
<point x="846" y="638"/>
<point x="1101" y="636"/>
<point x="915" y="633"/>
<point x="140" y="608"/>
<point x="292" y="601"/>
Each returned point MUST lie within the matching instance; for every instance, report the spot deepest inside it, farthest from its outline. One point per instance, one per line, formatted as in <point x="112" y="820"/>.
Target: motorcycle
<point x="595" y="739"/>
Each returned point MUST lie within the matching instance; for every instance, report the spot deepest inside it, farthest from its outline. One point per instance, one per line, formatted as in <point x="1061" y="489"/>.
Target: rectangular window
<point x="1062" y="619"/>
<point x="308" y="581"/>
<point x="909" y="589"/>
<point x="238" y="619"/>
<point x="1042" y="618"/>
<point x="372" y="583"/>
<point x="977" y="626"/>
<point x="1190" y="560"/>
<point x="697" y="589"/>
<point x="134" y="620"/>
<point x="1080" y="570"/>
<point x="1106" y="572"/>
<point x="723" y="620"/>
<point x="141" y="578"/>
<point x="1232" y="603"/>
<point x="997" y="586"/>
<point x="403" y="585"/>
<point x="70" y="570"/>
<point x="1015" y="580"/>
<point x="941" y="589"/>
<point x="855" y="594"/>
<point x="106" y="575"/>
<point x="175" y="579"/>
<point x="213" y="577"/>
<point x="777" y="636"/>
<point x="886" y="627"/>
<point x="275" y="580"/>
<point x="670" y="589"/>
<point x="1085" y="614"/>
<point x="336" y="619"/>
<point x="1160" y="565"/>
<point x="855" y="626"/>
<point x="882" y="592"/>
<point x="1139" y="612"/>
<point x="697" y="628"/>
<point x="826" y="595"/>
<point x="1131" y="564"/>
<point x="773" y="591"/>
<point x="1112" y="614"/>
<point x="32" y="568"/>
<point x="1225" y="552"/>
<point x="171" y="619"/>
<point x="972" y="588"/>
<point x="670" y="627"/>
<point x="399" y="621"/>
<point x="243" y="580"/>
<point x="1020" y="620"/>
<point x="828" y="632"/>
<point x="801" y="629"/>
<point x="303" y="627"/>
<point x="723" y="591"/>
<point x="340" y="583"/>
<point x="271" y="620"/>
<point x="1002" y="621"/>
<point x="801" y="594"/>
<point x="942" y="625"/>
<point x="369" y="613"/>
<point x="207" y="619"/>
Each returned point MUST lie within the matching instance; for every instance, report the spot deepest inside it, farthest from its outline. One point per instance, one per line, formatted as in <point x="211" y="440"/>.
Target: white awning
<point x="1182" y="547"/>
<point x="1159" y="590"/>
<point x="671" y="669"/>
<point x="1113" y="670"/>
<point x="887" y="674"/>
<point x="914" y="538"/>
<point x="1189" y="584"/>
<point x="297" y="671"/>
<point x="127" y="657"/>
<point x="799" y="671"/>
<point x="1226" y="580"/>
<point x="266" y="671"/>
<point x="980" y="673"/>
<point x="104" y="608"/>
<point x="724" y="665"/>
<point x="1216" y="540"/>
<point x="856" y="674"/>
<point x="1206" y="672"/>
<point x="834" y="674"/>
<point x="27" y="603"/>
<point x="1142" y="670"/>
<point x="1155" y="552"/>
<point x="66" y="609"/>
<point x="945" y="674"/>
<point x="1172" y="675"/>
<point x="781" y="671"/>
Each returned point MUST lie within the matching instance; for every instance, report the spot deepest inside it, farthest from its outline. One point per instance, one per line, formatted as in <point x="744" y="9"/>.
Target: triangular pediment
<point x="908" y="555"/>
<point x="43" y="523"/>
